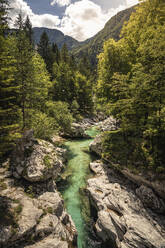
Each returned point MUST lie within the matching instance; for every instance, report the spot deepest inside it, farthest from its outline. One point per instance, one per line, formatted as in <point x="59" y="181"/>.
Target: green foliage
<point x="61" y="115"/>
<point x="43" y="125"/>
<point x="9" y="113"/>
<point x="131" y="83"/>
<point x="83" y="93"/>
<point x="63" y="84"/>
<point x="93" y="46"/>
<point x="47" y="162"/>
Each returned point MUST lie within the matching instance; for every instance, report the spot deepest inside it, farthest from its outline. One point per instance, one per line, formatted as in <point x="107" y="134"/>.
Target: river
<point x="77" y="170"/>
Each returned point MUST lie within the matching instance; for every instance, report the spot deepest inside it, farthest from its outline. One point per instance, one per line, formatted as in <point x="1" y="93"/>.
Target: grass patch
<point x="47" y="161"/>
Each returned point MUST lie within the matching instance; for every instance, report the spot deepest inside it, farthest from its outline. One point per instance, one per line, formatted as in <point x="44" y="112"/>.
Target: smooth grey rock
<point x="49" y="242"/>
<point x="40" y="162"/>
<point x="47" y="225"/>
<point x="28" y="216"/>
<point x="122" y="217"/>
<point x="53" y="202"/>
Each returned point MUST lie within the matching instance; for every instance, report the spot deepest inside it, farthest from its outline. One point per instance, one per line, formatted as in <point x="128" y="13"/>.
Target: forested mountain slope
<point x="55" y="36"/>
<point x="92" y="47"/>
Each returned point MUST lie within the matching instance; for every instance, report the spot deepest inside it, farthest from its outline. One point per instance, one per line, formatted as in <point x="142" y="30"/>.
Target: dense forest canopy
<point x="44" y="89"/>
<point x="131" y="87"/>
<point x="41" y="89"/>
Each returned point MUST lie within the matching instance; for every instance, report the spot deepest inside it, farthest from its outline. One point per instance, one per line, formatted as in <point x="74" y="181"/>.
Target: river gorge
<point x="77" y="171"/>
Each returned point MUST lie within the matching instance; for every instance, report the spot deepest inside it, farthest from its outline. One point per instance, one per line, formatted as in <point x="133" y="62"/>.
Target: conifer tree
<point x="64" y="54"/>
<point x="44" y="49"/>
<point x="29" y="30"/>
<point x="23" y="54"/>
<point x="56" y="53"/>
<point x="8" y="88"/>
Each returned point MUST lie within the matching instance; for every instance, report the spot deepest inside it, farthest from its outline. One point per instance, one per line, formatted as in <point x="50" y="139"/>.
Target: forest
<point x="45" y="88"/>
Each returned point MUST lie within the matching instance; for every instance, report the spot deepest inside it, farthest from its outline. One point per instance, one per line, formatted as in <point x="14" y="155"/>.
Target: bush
<point x="61" y="115"/>
<point x="42" y="124"/>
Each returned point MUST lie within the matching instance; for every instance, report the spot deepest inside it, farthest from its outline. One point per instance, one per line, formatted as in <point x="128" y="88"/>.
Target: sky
<point x="80" y="19"/>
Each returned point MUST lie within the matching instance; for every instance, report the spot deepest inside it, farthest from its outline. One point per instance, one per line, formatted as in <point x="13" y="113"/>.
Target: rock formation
<point x="128" y="215"/>
<point x="32" y="212"/>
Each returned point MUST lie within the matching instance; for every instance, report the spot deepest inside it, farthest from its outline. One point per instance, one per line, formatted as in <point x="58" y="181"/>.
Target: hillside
<point x="93" y="46"/>
<point x="55" y="36"/>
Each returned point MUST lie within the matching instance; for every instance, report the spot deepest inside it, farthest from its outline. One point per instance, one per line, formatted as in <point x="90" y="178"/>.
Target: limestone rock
<point x="41" y="161"/>
<point x="108" y="124"/>
<point x="95" y="146"/>
<point x="49" y="241"/>
<point x="52" y="202"/>
<point x="28" y="216"/>
<point x="47" y="225"/>
<point x="32" y="209"/>
<point x="77" y="131"/>
<point x="122" y="217"/>
<point x="150" y="200"/>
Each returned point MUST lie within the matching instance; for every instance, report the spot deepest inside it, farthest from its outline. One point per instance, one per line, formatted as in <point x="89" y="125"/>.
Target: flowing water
<point x="77" y="170"/>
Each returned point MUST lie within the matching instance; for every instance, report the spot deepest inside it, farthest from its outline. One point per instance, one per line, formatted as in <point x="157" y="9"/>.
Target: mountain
<point x="55" y="36"/>
<point x="93" y="46"/>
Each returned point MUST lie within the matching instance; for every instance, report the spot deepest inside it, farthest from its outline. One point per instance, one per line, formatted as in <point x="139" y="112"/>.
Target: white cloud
<point x="45" y="20"/>
<point x="60" y="2"/>
<point x="82" y="19"/>
<point x="131" y="2"/>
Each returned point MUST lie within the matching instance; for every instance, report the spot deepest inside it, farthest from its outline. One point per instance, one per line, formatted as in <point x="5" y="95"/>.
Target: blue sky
<point x="80" y="19"/>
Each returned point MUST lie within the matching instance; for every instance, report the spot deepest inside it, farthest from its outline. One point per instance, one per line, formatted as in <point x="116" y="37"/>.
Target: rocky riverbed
<point x="129" y="209"/>
<point x="32" y="212"/>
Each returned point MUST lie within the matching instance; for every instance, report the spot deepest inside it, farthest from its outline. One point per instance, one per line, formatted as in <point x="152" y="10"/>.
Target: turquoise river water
<point x="78" y="171"/>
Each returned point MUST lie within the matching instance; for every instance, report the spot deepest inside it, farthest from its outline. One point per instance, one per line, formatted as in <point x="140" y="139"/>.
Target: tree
<point x="28" y="30"/>
<point x="56" y="53"/>
<point x="114" y="59"/>
<point x="63" y="83"/>
<point x="84" y="93"/>
<point x="64" y="54"/>
<point x="44" y="49"/>
<point x="131" y="83"/>
<point x="9" y="128"/>
<point x="23" y="54"/>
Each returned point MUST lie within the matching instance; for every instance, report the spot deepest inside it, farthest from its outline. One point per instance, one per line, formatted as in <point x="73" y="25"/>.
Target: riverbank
<point x="32" y="212"/>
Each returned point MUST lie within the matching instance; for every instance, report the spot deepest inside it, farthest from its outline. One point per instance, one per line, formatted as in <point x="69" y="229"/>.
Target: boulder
<point x="108" y="124"/>
<point x="77" y="131"/>
<point x="40" y="162"/>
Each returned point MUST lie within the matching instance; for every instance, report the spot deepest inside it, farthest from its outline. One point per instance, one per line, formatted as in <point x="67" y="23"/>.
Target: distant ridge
<point x="55" y="36"/>
<point x="93" y="46"/>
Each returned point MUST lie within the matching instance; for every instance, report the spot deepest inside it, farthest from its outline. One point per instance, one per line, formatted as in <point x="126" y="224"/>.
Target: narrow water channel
<point x="77" y="170"/>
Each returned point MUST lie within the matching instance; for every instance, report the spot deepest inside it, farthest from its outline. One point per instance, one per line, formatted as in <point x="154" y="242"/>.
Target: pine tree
<point x="8" y="88"/>
<point x="64" y="54"/>
<point x="45" y="51"/>
<point x="29" y="30"/>
<point x="56" y="53"/>
<point x="23" y="54"/>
